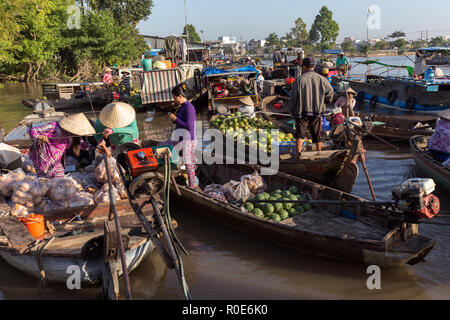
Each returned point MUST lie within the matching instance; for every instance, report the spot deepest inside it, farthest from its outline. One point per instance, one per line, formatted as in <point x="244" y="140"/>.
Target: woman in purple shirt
<point x="185" y="119"/>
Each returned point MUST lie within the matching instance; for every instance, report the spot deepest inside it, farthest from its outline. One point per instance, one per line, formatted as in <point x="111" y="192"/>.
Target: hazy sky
<point x="257" y="18"/>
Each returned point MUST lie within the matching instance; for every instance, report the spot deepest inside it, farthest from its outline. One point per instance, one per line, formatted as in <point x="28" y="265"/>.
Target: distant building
<point x="349" y="39"/>
<point x="227" y="40"/>
<point x="227" y="45"/>
<point x="374" y="41"/>
<point x="255" y="44"/>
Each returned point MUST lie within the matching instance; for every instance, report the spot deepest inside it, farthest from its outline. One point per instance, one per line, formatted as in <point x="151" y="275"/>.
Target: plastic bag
<point x="102" y="196"/>
<point x="82" y="199"/>
<point x="19" y="211"/>
<point x="255" y="182"/>
<point x="122" y="191"/>
<point x="5" y="209"/>
<point x="7" y="181"/>
<point x="28" y="165"/>
<point x="215" y="191"/>
<point x="236" y="190"/>
<point x="84" y="180"/>
<point x="63" y="189"/>
<point x="101" y="175"/>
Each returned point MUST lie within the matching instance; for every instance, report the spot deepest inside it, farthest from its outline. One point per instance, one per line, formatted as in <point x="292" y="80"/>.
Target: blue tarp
<point x="212" y="70"/>
<point x="435" y="49"/>
<point x="331" y="51"/>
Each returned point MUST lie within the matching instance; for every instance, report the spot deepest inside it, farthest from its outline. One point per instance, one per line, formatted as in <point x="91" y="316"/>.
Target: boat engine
<point x="415" y="196"/>
<point x="143" y="167"/>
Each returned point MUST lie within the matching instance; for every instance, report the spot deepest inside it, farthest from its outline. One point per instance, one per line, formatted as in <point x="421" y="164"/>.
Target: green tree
<point x="193" y="35"/>
<point x="400" y="43"/>
<point x="381" y="45"/>
<point x="124" y="11"/>
<point x="324" y="29"/>
<point x="348" y="45"/>
<point x="299" y="33"/>
<point x="397" y="35"/>
<point x="439" y="42"/>
<point x="273" y="39"/>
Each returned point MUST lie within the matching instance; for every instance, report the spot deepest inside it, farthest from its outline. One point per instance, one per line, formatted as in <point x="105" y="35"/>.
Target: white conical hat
<point x="77" y="124"/>
<point x="117" y="115"/>
<point x="247" y="101"/>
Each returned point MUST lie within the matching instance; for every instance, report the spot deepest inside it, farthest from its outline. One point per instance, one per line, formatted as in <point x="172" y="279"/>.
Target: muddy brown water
<point x="226" y="264"/>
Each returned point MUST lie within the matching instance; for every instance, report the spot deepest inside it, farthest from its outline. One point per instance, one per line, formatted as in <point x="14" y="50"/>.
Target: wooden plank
<point x="16" y="232"/>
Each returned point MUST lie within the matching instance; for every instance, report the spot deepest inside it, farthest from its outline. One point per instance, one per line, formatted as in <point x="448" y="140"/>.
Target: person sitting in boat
<point x="439" y="142"/>
<point x="420" y="66"/>
<point x="51" y="141"/>
<point x="107" y="77"/>
<point x="347" y="103"/>
<point x="184" y="118"/>
<point x="342" y="64"/>
<point x="248" y="106"/>
<point x="117" y="122"/>
<point x="310" y="94"/>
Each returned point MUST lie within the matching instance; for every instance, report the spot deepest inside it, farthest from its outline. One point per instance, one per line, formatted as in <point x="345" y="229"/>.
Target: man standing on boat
<point x="310" y="94"/>
<point x="342" y="64"/>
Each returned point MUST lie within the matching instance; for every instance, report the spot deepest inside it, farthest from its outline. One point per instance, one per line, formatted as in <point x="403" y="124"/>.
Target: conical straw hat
<point x="117" y="115"/>
<point x="77" y="124"/>
<point x="247" y="101"/>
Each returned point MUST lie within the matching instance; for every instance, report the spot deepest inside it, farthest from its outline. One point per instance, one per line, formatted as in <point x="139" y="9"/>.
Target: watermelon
<point x="276" y="217"/>
<point x="286" y="193"/>
<point x="284" y="215"/>
<point x="293" y="189"/>
<point x="292" y="212"/>
<point x="278" y="191"/>
<point x="266" y="195"/>
<point x="249" y="207"/>
<point x="287" y="206"/>
<point x="307" y="207"/>
<point x="293" y="197"/>
<point x="260" y="196"/>
<point x="299" y="209"/>
<point x="278" y="207"/>
<point x="268" y="209"/>
<point x="258" y="212"/>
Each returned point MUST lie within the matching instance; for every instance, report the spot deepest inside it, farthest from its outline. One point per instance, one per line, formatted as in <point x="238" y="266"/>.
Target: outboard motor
<point x="415" y="196"/>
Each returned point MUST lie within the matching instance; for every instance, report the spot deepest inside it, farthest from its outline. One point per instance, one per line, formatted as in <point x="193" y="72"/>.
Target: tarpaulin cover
<point x="331" y="51"/>
<point x="210" y="71"/>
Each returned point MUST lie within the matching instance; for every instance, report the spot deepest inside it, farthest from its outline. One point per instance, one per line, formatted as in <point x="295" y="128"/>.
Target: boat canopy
<point x="217" y="71"/>
<point x="408" y="68"/>
<point x="331" y="51"/>
<point x="436" y="49"/>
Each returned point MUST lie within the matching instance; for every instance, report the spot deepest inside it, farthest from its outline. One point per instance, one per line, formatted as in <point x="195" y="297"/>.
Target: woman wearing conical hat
<point x="51" y="141"/>
<point x="117" y="122"/>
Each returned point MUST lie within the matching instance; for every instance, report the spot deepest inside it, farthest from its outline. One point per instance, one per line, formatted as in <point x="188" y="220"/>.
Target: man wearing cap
<point x="342" y="64"/>
<point x="310" y="94"/>
<point x="347" y="103"/>
<point x="50" y="142"/>
<point x="117" y="122"/>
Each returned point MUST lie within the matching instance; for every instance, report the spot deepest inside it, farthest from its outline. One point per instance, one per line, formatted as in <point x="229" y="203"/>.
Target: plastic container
<point x="35" y="225"/>
<point x="147" y="64"/>
<point x="429" y="75"/>
<point x="173" y="65"/>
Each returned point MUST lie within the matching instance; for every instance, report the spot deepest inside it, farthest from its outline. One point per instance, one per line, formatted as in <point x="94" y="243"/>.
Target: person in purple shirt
<point x="185" y="119"/>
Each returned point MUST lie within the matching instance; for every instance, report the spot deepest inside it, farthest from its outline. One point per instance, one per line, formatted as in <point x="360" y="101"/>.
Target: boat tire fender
<point x="410" y="103"/>
<point x="374" y="101"/>
<point x="392" y="96"/>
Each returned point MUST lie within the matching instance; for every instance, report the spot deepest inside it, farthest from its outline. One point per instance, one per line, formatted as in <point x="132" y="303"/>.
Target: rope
<point x="39" y="253"/>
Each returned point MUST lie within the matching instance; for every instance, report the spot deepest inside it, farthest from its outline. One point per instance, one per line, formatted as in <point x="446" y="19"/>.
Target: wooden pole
<point x="366" y="172"/>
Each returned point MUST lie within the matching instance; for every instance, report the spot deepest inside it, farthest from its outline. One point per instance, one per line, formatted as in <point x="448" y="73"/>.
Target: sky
<point x="255" y="19"/>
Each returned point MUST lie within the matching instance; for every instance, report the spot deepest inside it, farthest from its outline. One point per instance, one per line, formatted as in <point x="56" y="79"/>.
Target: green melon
<point x="278" y="207"/>
<point x="287" y="205"/>
<point x="260" y="196"/>
<point x="292" y="212"/>
<point x="299" y="209"/>
<point x="293" y="189"/>
<point x="293" y="197"/>
<point x="268" y="209"/>
<point x="249" y="207"/>
<point x="284" y="215"/>
<point x="307" y="207"/>
<point x="276" y="217"/>
<point x="258" y="212"/>
<point x="278" y="191"/>
<point x="286" y="193"/>
<point x="266" y="195"/>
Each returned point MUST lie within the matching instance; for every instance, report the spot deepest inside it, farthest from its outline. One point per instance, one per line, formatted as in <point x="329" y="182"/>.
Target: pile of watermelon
<point x="277" y="211"/>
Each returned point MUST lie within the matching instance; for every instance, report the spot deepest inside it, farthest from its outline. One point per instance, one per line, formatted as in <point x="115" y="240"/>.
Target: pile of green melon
<point x="240" y="127"/>
<point x="277" y="211"/>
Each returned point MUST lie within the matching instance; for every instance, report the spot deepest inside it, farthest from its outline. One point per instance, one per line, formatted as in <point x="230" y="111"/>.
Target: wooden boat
<point x="426" y="164"/>
<point x="19" y="137"/>
<point x="370" y="239"/>
<point x="396" y="127"/>
<point x="76" y="243"/>
<point x="64" y="96"/>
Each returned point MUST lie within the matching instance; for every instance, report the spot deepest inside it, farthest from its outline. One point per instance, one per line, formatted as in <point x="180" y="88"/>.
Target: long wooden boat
<point x="397" y="127"/>
<point x="370" y="239"/>
<point x="77" y="243"/>
<point x="65" y="96"/>
<point x="426" y="164"/>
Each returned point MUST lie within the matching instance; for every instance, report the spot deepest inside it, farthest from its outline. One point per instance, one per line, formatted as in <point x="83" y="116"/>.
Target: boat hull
<point x="56" y="268"/>
<point x="427" y="165"/>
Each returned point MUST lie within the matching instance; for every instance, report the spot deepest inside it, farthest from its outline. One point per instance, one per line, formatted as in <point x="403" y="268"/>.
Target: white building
<point x="227" y="40"/>
<point x="255" y="44"/>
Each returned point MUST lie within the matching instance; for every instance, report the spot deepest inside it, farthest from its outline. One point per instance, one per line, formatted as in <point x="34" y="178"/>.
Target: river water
<point x="225" y="264"/>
